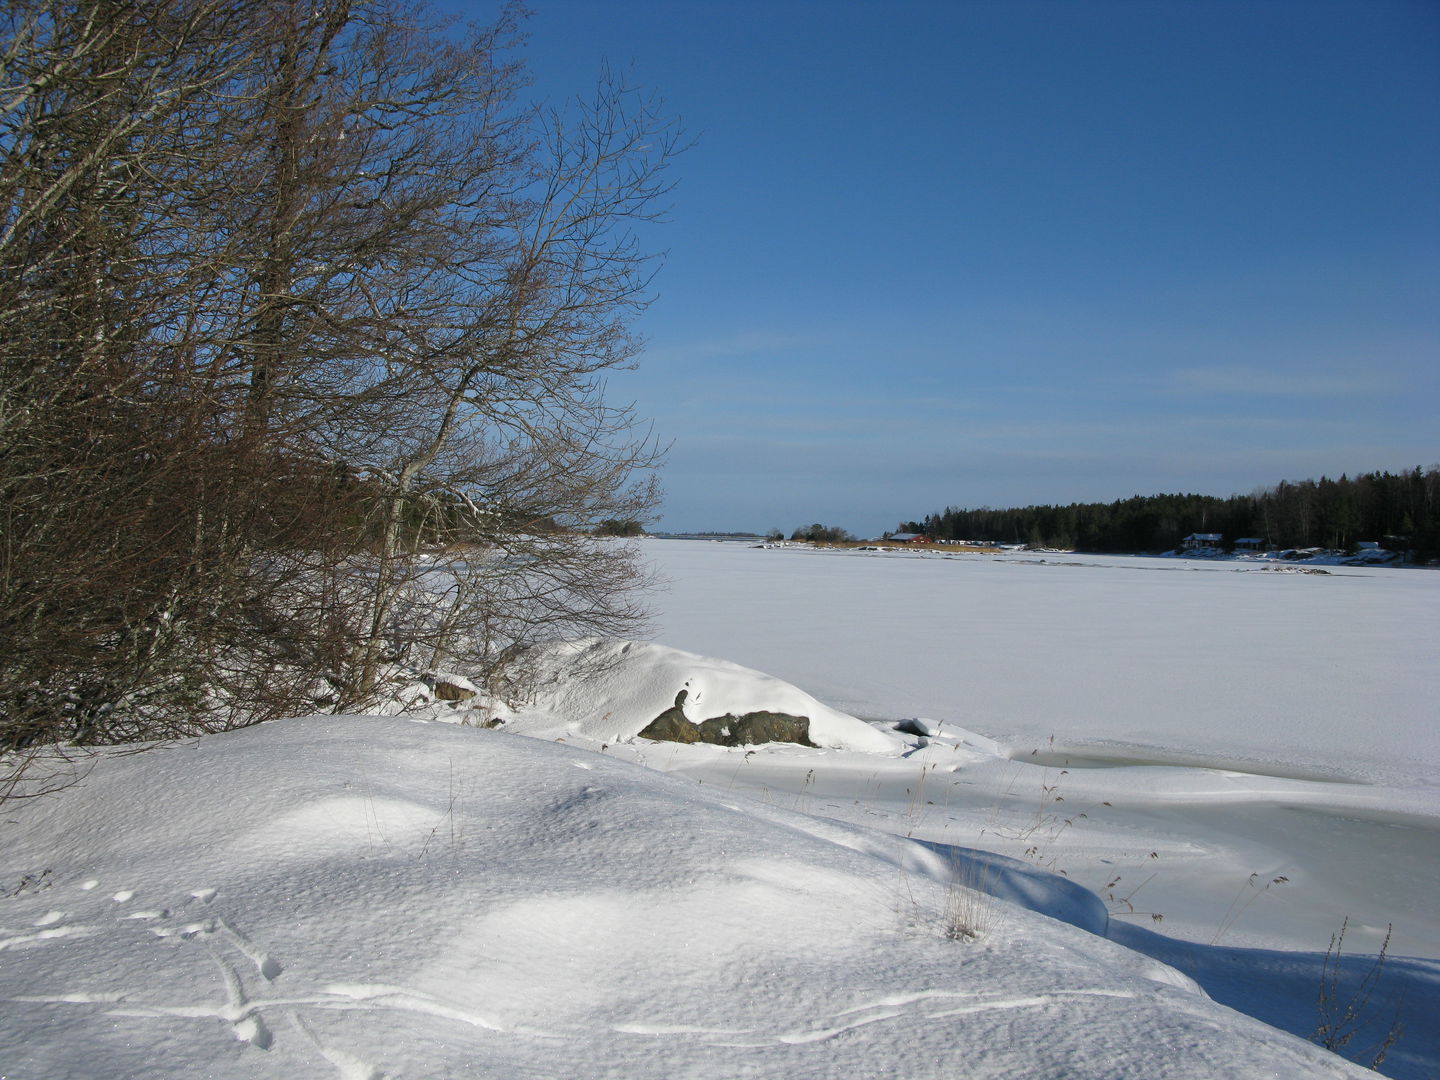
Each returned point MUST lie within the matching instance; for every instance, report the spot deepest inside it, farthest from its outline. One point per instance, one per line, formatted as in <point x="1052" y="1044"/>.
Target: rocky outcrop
<point x="672" y="725"/>
<point x="751" y="728"/>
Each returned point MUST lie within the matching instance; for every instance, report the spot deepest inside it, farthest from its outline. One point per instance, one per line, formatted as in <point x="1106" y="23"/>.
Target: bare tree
<point x="444" y="278"/>
<point x="93" y="561"/>
<point x="294" y="300"/>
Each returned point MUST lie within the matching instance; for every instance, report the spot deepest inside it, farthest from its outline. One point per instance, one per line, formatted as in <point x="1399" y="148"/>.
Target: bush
<point x="822" y="534"/>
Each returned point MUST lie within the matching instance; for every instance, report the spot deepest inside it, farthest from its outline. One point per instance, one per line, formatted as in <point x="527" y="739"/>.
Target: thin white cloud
<point x="1243" y="379"/>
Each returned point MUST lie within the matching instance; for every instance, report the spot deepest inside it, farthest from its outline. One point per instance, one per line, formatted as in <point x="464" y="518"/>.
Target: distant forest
<point x="1398" y="510"/>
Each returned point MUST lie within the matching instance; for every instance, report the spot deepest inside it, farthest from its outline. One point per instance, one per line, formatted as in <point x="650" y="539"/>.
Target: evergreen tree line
<point x="293" y="295"/>
<point x="1398" y="510"/>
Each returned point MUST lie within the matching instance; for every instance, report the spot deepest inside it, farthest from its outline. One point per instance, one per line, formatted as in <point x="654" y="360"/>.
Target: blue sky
<point x="1005" y="252"/>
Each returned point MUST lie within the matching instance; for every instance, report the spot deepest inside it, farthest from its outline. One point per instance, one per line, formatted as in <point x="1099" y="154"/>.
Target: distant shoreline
<point x="1297" y="557"/>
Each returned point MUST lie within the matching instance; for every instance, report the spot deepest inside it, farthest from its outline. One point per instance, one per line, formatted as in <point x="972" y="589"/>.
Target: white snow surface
<point x="1226" y="659"/>
<point x="626" y="684"/>
<point x="378" y="897"/>
<point x="1229" y="718"/>
<point x="1130" y="803"/>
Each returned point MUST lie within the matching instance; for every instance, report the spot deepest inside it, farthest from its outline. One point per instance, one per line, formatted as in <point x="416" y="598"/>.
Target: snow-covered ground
<point x="1174" y="734"/>
<point x="1221" y="659"/>
<point x="1150" y="792"/>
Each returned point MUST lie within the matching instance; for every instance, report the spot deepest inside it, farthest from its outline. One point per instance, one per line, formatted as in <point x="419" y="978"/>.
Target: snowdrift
<point x="379" y="897"/>
<point x="608" y="690"/>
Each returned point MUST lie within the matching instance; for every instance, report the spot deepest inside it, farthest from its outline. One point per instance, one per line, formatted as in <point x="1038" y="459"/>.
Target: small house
<point x="1202" y="540"/>
<point x="1250" y="543"/>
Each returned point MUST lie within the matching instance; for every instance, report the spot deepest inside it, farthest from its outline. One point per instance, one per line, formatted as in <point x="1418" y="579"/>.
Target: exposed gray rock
<point x="672" y="725"/>
<point x="767" y="727"/>
<point x="716" y="731"/>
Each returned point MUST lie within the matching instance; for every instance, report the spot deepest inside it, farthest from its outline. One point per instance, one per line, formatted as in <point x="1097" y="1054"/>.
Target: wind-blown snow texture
<point x="382" y="897"/>
<point x="367" y="897"/>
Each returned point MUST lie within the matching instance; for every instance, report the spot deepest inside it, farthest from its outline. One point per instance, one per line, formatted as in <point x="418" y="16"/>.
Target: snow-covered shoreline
<point x="960" y="891"/>
<point x="1331" y="673"/>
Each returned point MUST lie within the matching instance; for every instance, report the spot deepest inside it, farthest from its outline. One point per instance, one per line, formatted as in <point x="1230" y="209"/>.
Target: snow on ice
<point x="943" y="891"/>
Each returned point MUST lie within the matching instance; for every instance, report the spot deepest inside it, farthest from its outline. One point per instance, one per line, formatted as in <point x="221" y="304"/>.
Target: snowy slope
<point x="609" y="690"/>
<point x="377" y="897"/>
<point x="381" y="897"/>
